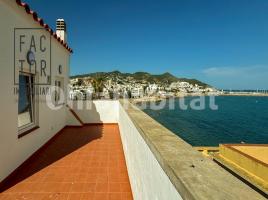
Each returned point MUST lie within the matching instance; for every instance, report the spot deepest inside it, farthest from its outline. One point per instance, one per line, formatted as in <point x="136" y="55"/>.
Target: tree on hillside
<point x="111" y="94"/>
<point x="129" y="94"/>
<point x="98" y="85"/>
<point x="80" y="82"/>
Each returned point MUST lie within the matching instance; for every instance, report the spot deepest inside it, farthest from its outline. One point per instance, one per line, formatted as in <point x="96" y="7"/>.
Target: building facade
<point x="33" y="60"/>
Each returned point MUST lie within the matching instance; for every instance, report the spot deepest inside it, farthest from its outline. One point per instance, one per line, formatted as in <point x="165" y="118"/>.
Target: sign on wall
<point x="32" y="54"/>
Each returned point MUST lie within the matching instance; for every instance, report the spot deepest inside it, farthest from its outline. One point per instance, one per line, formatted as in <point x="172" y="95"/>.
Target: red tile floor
<point x="80" y="163"/>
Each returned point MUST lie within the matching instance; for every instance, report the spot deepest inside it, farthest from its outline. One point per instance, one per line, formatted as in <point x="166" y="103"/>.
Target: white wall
<point x="147" y="178"/>
<point x="14" y="151"/>
<point x="71" y="120"/>
<point x="97" y="111"/>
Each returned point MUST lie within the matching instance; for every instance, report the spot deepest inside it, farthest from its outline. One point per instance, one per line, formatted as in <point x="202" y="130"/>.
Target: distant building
<point x="137" y="92"/>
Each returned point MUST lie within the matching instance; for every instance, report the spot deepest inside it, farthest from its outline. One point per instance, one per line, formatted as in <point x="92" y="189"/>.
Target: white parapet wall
<point x="163" y="166"/>
<point x="97" y="111"/>
<point x="148" y="180"/>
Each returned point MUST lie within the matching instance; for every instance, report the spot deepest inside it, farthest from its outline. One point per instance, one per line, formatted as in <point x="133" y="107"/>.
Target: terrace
<point x="78" y="163"/>
<point x="112" y="150"/>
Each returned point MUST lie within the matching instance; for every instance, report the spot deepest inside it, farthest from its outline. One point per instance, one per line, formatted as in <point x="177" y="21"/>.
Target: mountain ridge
<point x="165" y="78"/>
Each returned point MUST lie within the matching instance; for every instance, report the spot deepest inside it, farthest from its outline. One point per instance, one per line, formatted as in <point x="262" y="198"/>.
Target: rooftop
<point x="249" y="161"/>
<point x="258" y="152"/>
<point x="43" y="24"/>
<point x="79" y="163"/>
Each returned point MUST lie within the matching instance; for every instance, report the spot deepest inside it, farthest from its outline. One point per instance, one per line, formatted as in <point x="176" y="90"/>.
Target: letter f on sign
<point x="21" y="42"/>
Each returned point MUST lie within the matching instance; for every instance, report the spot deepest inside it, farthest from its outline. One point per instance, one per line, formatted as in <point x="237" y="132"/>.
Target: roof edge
<point x="43" y="24"/>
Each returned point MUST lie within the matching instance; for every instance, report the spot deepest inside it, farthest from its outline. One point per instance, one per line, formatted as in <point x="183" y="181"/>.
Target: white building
<point x="179" y="85"/>
<point x="137" y="92"/>
<point x="162" y="93"/>
<point x="152" y="89"/>
<point x="40" y="60"/>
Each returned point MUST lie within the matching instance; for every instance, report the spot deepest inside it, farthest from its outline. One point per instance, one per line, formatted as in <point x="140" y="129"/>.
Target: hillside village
<point x="115" y="84"/>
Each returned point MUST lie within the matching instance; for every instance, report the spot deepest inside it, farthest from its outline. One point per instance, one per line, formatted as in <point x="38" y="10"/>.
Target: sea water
<point x="237" y="119"/>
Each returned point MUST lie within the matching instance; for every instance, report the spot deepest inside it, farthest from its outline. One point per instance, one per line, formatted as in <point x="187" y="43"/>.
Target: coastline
<point x="157" y="98"/>
<point x="246" y="94"/>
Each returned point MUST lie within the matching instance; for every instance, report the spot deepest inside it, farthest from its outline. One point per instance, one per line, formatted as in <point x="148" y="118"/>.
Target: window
<point x="58" y="91"/>
<point x="26" y="108"/>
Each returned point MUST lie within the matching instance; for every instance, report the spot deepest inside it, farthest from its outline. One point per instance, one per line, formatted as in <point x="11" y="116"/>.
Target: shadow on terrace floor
<point x="63" y="145"/>
<point x="81" y="163"/>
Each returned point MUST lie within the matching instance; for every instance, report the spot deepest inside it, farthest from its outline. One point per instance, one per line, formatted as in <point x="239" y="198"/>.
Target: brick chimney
<point x="61" y="29"/>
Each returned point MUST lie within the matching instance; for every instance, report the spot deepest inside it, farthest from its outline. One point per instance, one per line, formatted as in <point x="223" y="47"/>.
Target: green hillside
<point x="165" y="78"/>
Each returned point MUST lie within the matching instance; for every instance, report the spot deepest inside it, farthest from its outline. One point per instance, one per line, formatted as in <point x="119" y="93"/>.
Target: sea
<point x="237" y="119"/>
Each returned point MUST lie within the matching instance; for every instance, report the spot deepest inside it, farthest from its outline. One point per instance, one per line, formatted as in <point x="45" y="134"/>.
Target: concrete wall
<point x="14" y="151"/>
<point x="147" y="178"/>
<point x="99" y="111"/>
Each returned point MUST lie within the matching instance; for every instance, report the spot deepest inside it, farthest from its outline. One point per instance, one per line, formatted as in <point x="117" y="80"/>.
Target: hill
<point x="141" y="77"/>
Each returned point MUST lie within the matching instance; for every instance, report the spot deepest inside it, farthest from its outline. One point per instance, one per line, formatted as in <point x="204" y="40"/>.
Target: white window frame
<point x="34" y="103"/>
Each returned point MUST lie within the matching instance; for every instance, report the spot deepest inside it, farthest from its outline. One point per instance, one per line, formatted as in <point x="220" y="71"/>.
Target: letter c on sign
<point x="41" y="43"/>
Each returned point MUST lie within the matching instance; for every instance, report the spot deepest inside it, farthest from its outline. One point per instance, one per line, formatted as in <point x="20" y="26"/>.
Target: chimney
<point x="61" y="29"/>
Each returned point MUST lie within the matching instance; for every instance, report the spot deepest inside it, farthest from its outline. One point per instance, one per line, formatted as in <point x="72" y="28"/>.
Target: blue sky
<point x="221" y="42"/>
